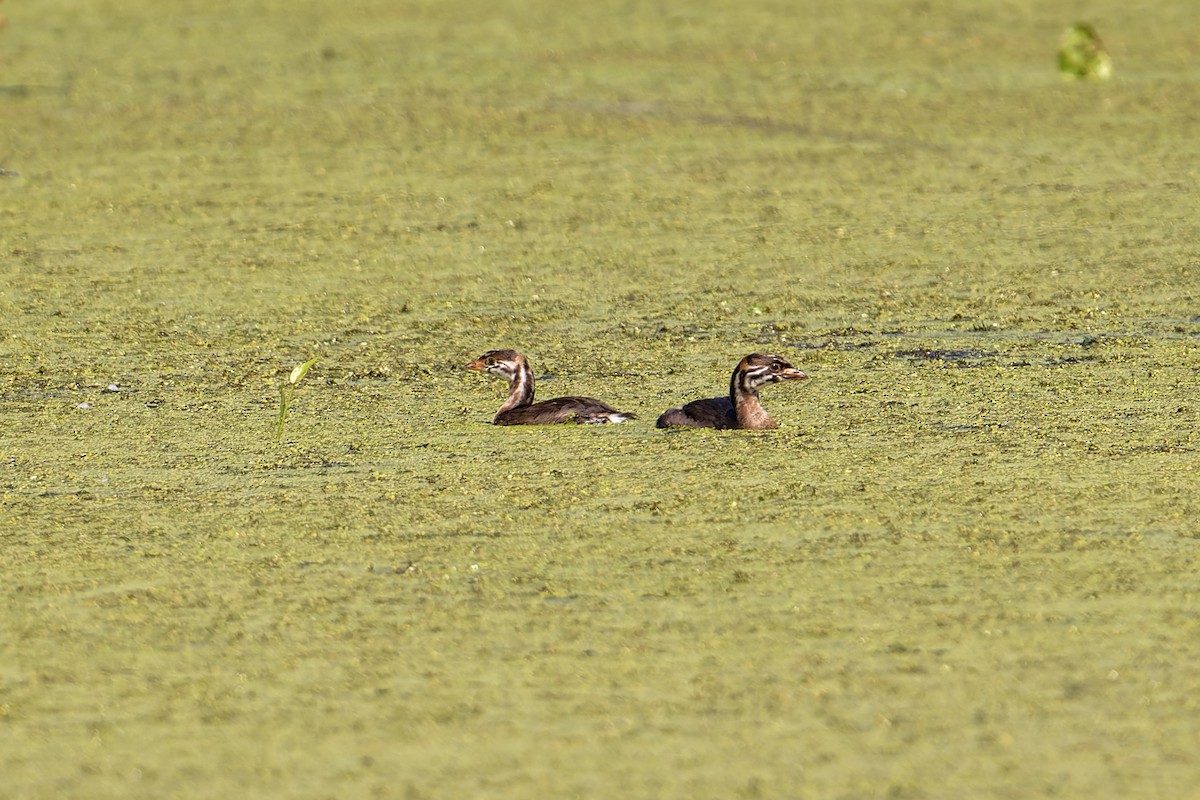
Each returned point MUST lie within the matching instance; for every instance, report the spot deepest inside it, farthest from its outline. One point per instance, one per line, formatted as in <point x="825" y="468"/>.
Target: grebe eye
<point x="775" y="366"/>
<point x="491" y="362"/>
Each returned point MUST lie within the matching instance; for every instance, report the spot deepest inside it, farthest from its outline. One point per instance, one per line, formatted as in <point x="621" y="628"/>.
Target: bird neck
<point x="746" y="405"/>
<point x="520" y="387"/>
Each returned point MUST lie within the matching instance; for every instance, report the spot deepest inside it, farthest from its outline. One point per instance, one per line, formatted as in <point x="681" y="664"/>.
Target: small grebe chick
<point x="519" y="408"/>
<point x="741" y="410"/>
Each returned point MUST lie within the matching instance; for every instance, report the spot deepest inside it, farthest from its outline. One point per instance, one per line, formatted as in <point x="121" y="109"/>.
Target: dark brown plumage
<point x="741" y="410"/>
<point x="519" y="408"/>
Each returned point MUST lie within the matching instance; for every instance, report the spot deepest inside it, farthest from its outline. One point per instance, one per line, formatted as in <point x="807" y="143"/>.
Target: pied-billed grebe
<point x="519" y="408"/>
<point x="741" y="410"/>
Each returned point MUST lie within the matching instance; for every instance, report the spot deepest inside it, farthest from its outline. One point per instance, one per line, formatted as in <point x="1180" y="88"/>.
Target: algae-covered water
<point x="964" y="566"/>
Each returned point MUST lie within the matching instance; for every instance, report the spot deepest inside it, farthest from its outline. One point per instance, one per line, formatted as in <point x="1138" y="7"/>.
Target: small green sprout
<point x="287" y="391"/>
<point x="1082" y="54"/>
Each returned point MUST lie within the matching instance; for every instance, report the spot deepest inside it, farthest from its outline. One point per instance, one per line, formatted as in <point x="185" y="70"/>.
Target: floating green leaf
<point x="1082" y="54"/>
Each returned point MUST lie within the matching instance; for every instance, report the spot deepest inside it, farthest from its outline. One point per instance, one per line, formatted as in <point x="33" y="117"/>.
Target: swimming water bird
<point x="741" y="410"/>
<point x="519" y="408"/>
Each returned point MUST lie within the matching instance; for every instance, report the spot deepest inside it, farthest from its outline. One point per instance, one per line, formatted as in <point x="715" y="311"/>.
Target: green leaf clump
<point x="1082" y="54"/>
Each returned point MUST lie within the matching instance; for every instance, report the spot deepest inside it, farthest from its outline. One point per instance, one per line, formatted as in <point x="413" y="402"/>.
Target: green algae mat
<point x="965" y="565"/>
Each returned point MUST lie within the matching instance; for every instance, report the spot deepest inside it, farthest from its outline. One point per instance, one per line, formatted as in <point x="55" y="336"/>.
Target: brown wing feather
<point x="714" y="413"/>
<point x="561" y="409"/>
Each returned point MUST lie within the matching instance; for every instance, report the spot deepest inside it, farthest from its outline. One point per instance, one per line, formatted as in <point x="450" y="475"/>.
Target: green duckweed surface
<point x="964" y="566"/>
